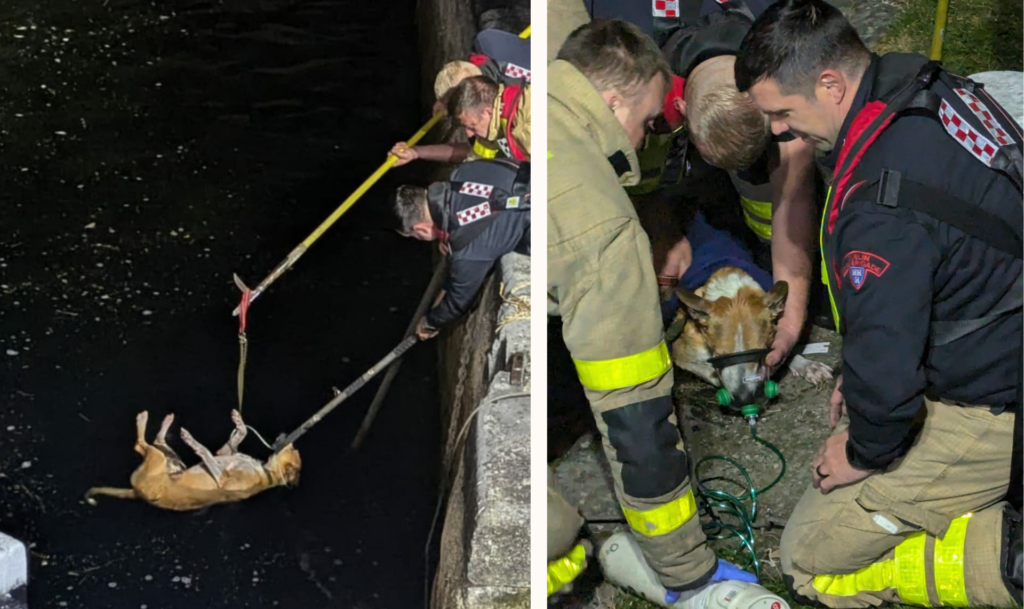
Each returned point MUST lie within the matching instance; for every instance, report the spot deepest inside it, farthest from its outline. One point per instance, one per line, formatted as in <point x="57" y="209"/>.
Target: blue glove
<point x="725" y="571"/>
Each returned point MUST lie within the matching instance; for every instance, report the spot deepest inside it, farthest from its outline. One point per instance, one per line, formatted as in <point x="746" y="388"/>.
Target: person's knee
<point x="646" y="443"/>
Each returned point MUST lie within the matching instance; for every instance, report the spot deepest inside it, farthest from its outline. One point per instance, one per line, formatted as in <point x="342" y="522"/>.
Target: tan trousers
<point x="900" y="535"/>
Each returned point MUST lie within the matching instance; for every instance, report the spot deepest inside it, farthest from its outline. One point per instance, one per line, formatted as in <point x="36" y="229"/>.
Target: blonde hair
<point x="451" y="75"/>
<point x="727" y="127"/>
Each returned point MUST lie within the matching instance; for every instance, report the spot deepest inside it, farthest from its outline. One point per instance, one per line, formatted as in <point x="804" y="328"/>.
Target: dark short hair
<point x="793" y="41"/>
<point x="471" y="94"/>
<point x="615" y="56"/>
<point x="409" y="202"/>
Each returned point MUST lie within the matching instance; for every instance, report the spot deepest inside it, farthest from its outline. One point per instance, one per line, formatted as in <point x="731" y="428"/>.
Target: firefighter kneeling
<point x="921" y="248"/>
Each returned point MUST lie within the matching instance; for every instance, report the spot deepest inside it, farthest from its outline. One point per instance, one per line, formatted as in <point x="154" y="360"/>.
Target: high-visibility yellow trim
<point x="622" y="372"/>
<point x="663" y="519"/>
<point x="905" y="572"/>
<point x="758" y="209"/>
<point x="872" y="578"/>
<point x="949" y="564"/>
<point x="911" y="580"/>
<point x="565" y="569"/>
<point x="824" y="266"/>
<point x="482" y="150"/>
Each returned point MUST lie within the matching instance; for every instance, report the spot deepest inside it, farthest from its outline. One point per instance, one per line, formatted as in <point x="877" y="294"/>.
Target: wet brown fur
<point x="163" y="481"/>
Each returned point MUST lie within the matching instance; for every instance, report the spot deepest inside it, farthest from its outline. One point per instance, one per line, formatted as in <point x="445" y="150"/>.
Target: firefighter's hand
<point x="404" y="153"/>
<point x="424" y="331"/>
<point x="444" y="248"/>
<point x="784" y="341"/>
<point x="831" y="468"/>
<point x="678" y="259"/>
<point x="837" y="404"/>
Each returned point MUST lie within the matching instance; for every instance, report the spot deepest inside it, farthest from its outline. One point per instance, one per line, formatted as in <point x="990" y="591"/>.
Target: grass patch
<point x="981" y="35"/>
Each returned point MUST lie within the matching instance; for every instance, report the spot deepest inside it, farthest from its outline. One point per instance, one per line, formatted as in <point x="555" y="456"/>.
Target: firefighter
<point x="501" y="56"/>
<point x="605" y="87"/>
<point x="481" y="213"/>
<point x="494" y="112"/>
<point x="921" y="243"/>
<point x="774" y="176"/>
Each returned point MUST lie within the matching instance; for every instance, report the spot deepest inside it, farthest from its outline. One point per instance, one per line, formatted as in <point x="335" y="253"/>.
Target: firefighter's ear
<point x="832" y="86"/>
<point x="680" y="105"/>
<point x="695" y="306"/>
<point x="775" y="300"/>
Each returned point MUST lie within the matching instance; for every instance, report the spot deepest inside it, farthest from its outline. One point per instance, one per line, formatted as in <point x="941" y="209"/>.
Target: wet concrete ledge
<point x="485" y="550"/>
<point x="13" y="573"/>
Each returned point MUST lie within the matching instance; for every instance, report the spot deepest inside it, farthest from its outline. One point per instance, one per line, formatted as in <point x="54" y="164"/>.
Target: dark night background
<point x="150" y="150"/>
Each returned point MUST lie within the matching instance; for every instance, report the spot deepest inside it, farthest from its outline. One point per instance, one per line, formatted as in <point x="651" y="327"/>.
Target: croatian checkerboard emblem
<point x="476" y="190"/>
<point x="981" y="111"/>
<point x="666" y="8"/>
<point x="514" y="71"/>
<point x="503" y="144"/>
<point x="468" y="216"/>
<point x="972" y="141"/>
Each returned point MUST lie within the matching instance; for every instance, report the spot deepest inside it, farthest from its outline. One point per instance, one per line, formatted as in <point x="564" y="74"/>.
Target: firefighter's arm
<point x="611" y="320"/>
<point x="792" y="238"/>
<point x="441" y="153"/>
<point x="883" y="266"/>
<point x="465" y="277"/>
<point x="521" y="127"/>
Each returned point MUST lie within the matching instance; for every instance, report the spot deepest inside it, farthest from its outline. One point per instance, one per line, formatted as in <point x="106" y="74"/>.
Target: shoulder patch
<point x="514" y="71"/>
<point x="981" y="111"/>
<point x="471" y="215"/>
<point x="474" y="189"/>
<point x="666" y="8"/>
<point x="858" y="265"/>
<point x="972" y="141"/>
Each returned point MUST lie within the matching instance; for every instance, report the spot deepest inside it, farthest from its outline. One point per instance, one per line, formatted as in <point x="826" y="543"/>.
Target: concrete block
<point x="498" y="490"/>
<point x="512" y="337"/>
<point x="13" y="573"/>
<point x="1007" y="88"/>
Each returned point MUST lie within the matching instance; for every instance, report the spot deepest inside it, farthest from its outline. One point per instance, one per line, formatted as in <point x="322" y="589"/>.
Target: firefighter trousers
<point x="927" y="532"/>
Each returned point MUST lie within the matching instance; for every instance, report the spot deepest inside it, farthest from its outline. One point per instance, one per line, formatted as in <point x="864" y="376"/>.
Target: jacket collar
<point x="568" y="87"/>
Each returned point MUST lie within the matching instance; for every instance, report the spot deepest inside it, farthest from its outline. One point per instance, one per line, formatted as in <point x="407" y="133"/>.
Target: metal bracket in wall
<point x="517" y="369"/>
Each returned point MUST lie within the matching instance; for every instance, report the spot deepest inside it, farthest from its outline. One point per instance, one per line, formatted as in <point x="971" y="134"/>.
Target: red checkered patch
<point x="514" y="71"/>
<point x="974" y="142"/>
<point x="468" y="216"/>
<point x="476" y="190"/>
<point x="666" y="8"/>
<point x="980" y="110"/>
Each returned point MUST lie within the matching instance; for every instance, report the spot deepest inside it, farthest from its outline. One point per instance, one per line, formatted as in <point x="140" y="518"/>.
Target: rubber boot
<point x="624" y="566"/>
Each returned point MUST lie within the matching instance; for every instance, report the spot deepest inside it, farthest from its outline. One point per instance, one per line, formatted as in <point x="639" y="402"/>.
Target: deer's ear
<point x="695" y="306"/>
<point x="775" y="299"/>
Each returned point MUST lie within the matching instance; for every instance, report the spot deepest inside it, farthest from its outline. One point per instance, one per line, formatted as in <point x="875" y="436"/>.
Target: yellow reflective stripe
<point x="824" y="267"/>
<point x="949" y="564"/>
<point x="758" y="209"/>
<point x="565" y="569"/>
<point x="872" y="578"/>
<point x="482" y="150"/>
<point x="618" y="373"/>
<point x="911" y="581"/>
<point x="905" y="572"/>
<point x="549" y="154"/>
<point x="662" y="519"/>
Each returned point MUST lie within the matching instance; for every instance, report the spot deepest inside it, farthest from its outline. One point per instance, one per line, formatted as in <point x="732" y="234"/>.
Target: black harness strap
<point x="896" y="191"/>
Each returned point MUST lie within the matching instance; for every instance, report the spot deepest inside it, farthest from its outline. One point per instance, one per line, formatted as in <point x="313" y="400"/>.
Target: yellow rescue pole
<point x="940" y="30"/>
<point x="297" y="253"/>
